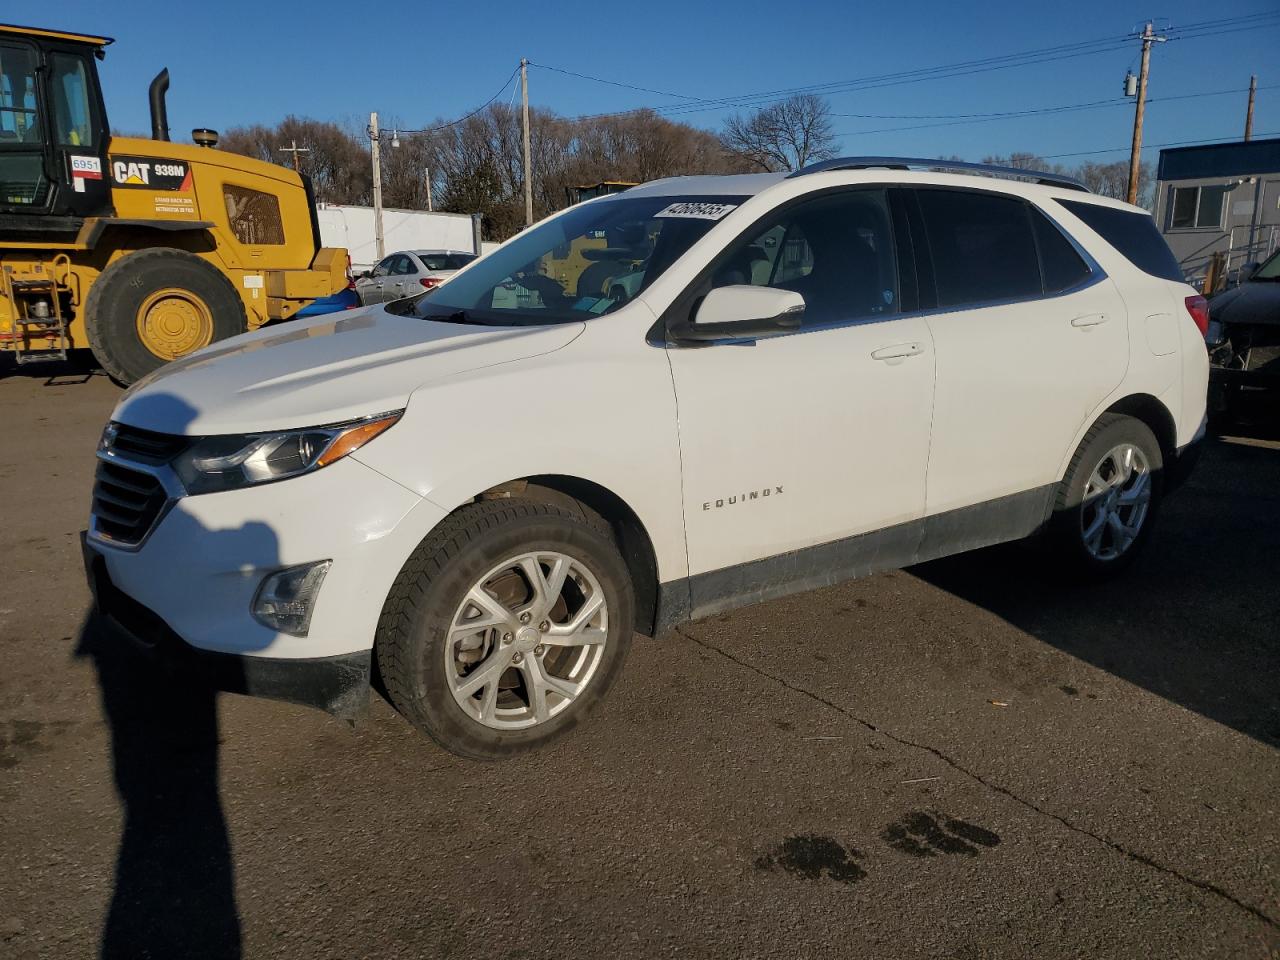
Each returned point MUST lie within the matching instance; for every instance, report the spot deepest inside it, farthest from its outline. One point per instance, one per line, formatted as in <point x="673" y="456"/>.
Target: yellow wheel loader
<point x="140" y="250"/>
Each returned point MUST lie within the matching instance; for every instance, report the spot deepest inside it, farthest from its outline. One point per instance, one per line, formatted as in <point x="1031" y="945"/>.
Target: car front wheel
<point x="506" y="626"/>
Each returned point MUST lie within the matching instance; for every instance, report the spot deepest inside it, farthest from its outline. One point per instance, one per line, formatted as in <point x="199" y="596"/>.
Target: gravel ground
<point x="966" y="759"/>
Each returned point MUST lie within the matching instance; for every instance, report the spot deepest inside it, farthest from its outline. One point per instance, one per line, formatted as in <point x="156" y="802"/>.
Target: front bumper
<point x="338" y="685"/>
<point x="187" y="591"/>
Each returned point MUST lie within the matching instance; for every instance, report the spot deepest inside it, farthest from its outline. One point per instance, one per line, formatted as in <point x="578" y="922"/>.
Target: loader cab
<point x="53" y="131"/>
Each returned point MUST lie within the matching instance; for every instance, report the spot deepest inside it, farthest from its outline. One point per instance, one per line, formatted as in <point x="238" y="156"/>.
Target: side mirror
<point x="743" y="312"/>
<point x="364" y="274"/>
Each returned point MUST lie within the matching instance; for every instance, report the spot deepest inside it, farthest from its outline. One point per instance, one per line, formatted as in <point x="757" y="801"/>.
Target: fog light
<point x="286" y="598"/>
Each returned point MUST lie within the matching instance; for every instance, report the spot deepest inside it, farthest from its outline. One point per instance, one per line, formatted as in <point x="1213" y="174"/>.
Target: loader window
<point x="72" y="113"/>
<point x="254" y="216"/>
<point x="22" y="171"/>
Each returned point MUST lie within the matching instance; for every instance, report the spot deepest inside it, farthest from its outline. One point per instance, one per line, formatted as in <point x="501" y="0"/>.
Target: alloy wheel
<point x="1117" y="498"/>
<point x="526" y="640"/>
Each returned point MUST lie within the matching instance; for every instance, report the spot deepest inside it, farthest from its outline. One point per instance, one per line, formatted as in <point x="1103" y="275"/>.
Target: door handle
<point x="897" y="351"/>
<point x="1089" y="320"/>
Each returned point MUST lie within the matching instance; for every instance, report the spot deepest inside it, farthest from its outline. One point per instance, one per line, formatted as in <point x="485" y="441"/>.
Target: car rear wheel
<point x="506" y="626"/>
<point x="1108" y="501"/>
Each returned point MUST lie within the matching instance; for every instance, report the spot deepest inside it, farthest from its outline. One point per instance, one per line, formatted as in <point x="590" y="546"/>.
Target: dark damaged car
<point x="1244" y="336"/>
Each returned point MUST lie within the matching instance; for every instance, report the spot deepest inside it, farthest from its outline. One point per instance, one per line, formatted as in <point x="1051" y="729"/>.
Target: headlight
<point x="242" y="460"/>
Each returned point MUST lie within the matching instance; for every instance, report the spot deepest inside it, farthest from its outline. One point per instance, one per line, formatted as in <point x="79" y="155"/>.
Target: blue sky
<point x="234" y="63"/>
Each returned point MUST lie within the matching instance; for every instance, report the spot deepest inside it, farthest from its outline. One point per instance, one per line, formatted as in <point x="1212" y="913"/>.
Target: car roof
<point x="435" y="253"/>
<point x="751" y="184"/>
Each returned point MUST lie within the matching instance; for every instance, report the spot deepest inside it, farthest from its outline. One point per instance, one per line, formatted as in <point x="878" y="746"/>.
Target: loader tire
<point x="153" y="306"/>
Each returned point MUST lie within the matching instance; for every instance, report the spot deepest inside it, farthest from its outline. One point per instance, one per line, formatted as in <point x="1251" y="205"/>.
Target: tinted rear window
<point x="1134" y="235"/>
<point x="982" y="246"/>
<point x="1062" y="267"/>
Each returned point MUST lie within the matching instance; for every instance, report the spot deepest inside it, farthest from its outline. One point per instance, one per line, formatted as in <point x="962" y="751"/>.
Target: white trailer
<point x="352" y="227"/>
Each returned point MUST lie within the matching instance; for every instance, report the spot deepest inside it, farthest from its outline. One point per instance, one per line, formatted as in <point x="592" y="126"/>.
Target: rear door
<point x="1030" y="337"/>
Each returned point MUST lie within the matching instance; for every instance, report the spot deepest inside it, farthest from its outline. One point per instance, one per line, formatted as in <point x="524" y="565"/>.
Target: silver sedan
<point x="409" y="272"/>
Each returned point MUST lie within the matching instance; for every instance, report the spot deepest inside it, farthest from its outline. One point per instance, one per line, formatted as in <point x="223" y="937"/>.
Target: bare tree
<point x="1104" y="179"/>
<point x="783" y="136"/>
<point x="1112" y="180"/>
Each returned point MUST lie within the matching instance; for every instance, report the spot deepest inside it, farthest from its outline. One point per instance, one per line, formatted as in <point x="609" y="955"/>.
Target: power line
<point x="965" y="119"/>
<point x="1149" y="146"/>
<point x="1192" y="31"/>
<point x="613" y="83"/>
<point x="464" y="117"/>
<point x="982" y="64"/>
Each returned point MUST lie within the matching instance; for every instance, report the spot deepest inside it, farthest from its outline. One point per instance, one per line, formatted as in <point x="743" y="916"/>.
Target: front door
<point x="79" y="134"/>
<point x="370" y="289"/>
<point x="818" y="439"/>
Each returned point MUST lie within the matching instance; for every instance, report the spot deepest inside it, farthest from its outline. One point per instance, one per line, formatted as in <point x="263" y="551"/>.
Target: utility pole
<point x="376" y="157"/>
<point x="429" y="206"/>
<point x="528" y="162"/>
<point x="1248" y="115"/>
<point x="295" y="150"/>
<point x="1135" y="155"/>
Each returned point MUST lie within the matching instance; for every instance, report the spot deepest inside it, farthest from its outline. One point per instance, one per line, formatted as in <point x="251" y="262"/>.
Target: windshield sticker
<point x="697" y="211"/>
<point x="593" y="304"/>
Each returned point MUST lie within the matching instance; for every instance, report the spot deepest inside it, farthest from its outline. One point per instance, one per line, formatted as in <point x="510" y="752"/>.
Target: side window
<point x="836" y="251"/>
<point x="982" y="246"/>
<point x="254" y="216"/>
<point x="72" y="112"/>
<point x="1134" y="235"/>
<point x="1197" y="207"/>
<point x="1060" y="264"/>
<point x="383" y="268"/>
<point x="19" y="121"/>
<point x="403" y="266"/>
<point x="23" y="181"/>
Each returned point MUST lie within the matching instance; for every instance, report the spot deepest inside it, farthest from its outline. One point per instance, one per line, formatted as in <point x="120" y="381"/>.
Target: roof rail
<point x="957" y="166"/>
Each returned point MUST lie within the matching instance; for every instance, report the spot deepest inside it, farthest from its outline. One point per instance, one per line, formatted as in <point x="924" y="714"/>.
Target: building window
<point x="1198" y="207"/>
<point x="254" y="216"/>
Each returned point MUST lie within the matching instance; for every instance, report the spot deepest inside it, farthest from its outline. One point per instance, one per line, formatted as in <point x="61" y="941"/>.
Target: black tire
<point x="114" y="301"/>
<point x="1066" y="527"/>
<point x="419" y="611"/>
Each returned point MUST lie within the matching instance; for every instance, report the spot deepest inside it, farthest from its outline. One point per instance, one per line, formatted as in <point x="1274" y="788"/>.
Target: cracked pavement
<point x="968" y="759"/>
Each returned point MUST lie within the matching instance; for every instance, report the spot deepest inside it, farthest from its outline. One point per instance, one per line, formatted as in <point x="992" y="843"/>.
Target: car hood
<point x="1255" y="302"/>
<point x="321" y="371"/>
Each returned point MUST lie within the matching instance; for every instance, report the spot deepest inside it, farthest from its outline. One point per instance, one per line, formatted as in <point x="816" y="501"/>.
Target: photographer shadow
<point x="174" y="891"/>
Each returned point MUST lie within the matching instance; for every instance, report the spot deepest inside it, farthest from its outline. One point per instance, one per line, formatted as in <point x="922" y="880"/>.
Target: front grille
<point x="146" y="446"/>
<point x="126" y="503"/>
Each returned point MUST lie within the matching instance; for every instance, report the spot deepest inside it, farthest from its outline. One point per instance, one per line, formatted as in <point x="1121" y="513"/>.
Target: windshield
<point x="1270" y="269"/>
<point x="580" y="265"/>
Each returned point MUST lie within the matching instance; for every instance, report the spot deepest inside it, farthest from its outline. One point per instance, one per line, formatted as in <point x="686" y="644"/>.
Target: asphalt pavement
<point x="968" y="759"/>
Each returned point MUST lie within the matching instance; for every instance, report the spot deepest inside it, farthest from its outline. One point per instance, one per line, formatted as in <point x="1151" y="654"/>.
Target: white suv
<point x="648" y="408"/>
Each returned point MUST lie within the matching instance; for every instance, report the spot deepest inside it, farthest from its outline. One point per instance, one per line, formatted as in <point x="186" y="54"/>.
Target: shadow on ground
<point x="174" y="893"/>
<point x="1194" y="620"/>
<point x="79" y="367"/>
